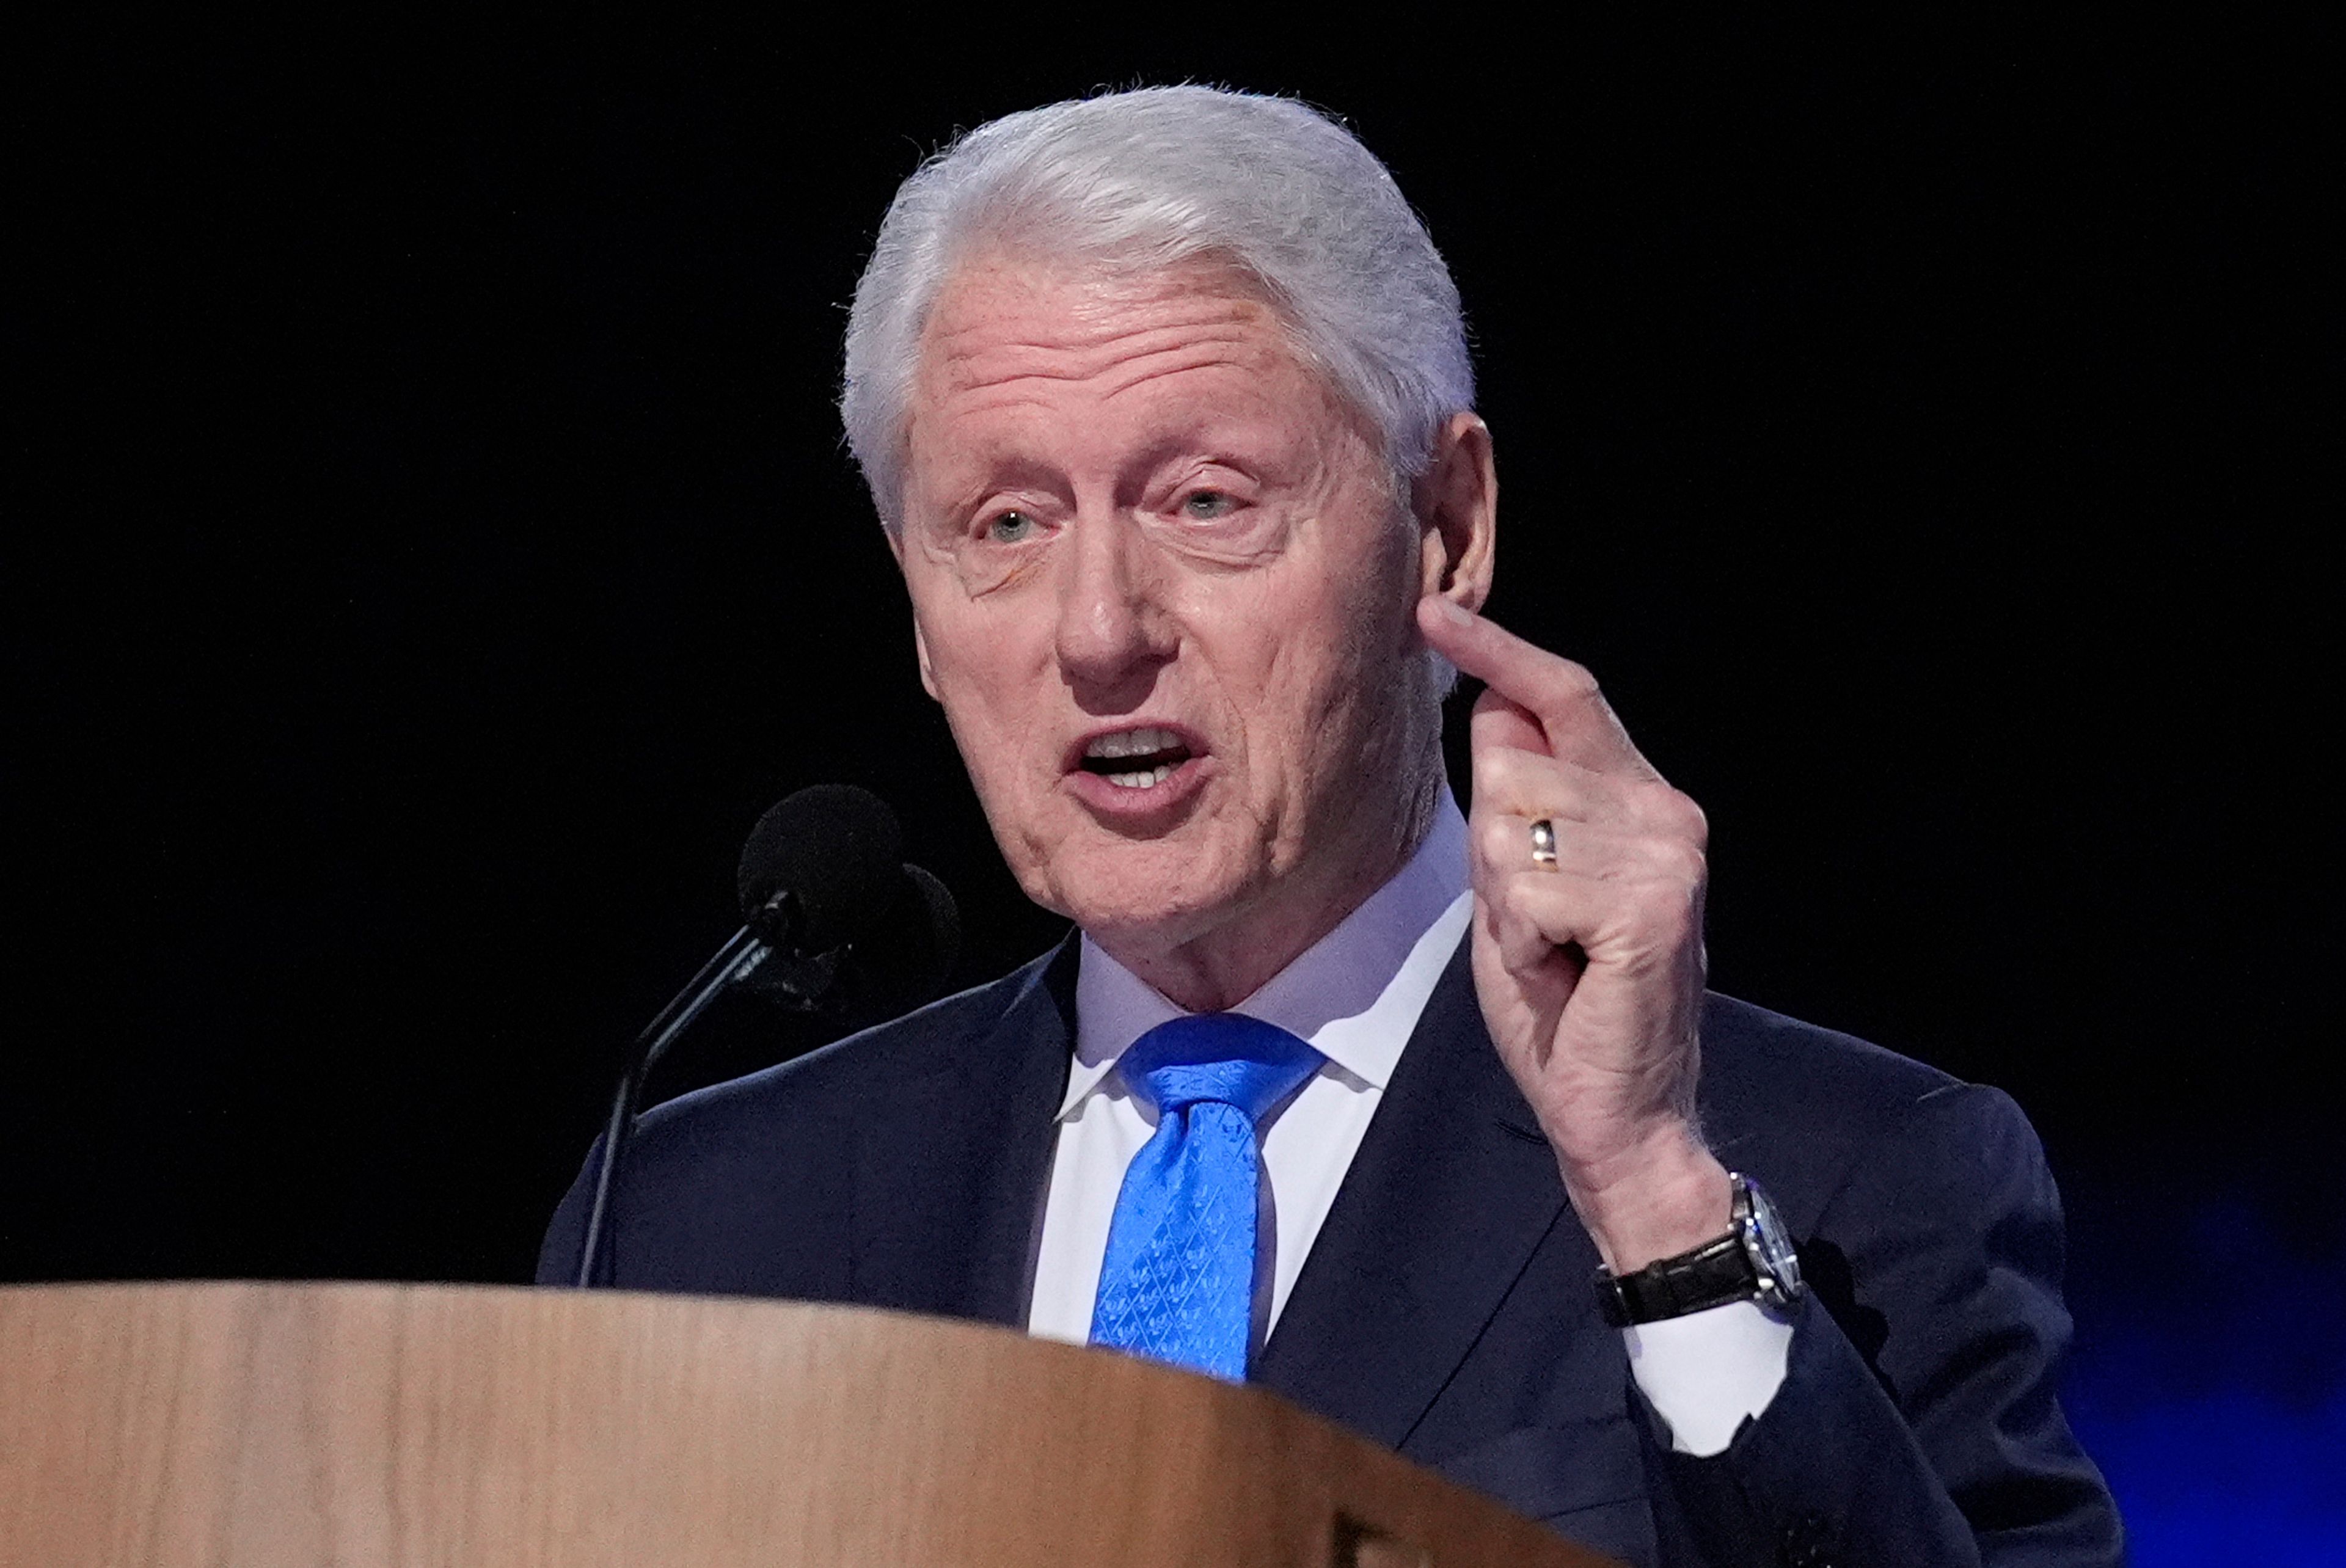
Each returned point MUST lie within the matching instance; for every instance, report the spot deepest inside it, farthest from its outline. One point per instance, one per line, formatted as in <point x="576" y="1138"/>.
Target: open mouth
<point x="1135" y="758"/>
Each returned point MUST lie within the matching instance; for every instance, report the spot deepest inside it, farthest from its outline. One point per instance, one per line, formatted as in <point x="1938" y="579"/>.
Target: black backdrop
<point x="433" y="548"/>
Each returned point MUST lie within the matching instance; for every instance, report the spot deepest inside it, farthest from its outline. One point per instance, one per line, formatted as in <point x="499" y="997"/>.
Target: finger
<point x="1500" y="723"/>
<point x="1527" y="944"/>
<point x="1574" y="718"/>
<point x="1523" y="945"/>
<point x="1503" y="849"/>
<point x="1532" y="785"/>
<point x="1649" y="926"/>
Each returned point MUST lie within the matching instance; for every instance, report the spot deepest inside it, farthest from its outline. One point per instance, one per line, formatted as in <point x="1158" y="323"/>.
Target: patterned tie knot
<point x="1224" y="1057"/>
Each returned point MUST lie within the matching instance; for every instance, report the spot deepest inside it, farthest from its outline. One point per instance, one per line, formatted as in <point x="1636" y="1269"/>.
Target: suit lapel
<point x="1452" y="1190"/>
<point x="950" y="1167"/>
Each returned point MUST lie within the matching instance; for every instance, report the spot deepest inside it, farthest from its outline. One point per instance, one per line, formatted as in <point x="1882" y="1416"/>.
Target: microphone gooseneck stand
<point x="821" y="874"/>
<point x="796" y="983"/>
<point x="736" y="958"/>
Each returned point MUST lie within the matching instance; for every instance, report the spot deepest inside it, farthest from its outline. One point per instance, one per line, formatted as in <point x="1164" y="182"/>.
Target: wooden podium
<point x="266" y="1426"/>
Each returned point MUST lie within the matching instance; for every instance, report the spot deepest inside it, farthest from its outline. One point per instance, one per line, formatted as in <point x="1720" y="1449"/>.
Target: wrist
<point x="1754" y="1261"/>
<point x="1662" y="1195"/>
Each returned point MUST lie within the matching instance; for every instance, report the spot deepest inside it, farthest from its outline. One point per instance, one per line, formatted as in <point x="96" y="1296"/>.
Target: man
<point x="1164" y="401"/>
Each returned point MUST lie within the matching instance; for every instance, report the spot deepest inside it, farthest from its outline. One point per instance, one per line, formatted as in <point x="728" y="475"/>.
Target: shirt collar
<point x="1355" y="994"/>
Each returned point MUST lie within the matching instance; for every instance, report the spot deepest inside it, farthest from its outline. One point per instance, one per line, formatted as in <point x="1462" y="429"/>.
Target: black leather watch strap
<point x="1710" y="1275"/>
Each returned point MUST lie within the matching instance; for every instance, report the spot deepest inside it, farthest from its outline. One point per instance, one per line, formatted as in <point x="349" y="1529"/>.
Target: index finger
<point x="1562" y="697"/>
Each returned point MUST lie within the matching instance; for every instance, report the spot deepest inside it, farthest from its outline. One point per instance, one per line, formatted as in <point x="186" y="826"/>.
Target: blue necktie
<point x="1178" y="1280"/>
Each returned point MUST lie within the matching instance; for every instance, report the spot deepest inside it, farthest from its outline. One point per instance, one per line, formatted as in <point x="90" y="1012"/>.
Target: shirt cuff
<point x="1707" y="1372"/>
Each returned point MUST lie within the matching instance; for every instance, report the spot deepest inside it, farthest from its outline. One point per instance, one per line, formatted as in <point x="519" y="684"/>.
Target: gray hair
<point x="1154" y="178"/>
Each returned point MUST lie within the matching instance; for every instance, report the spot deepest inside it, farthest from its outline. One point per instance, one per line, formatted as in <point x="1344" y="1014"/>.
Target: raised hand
<point x="1590" y="970"/>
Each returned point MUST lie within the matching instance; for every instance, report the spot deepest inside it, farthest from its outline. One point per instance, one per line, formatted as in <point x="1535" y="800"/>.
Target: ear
<point x="921" y="652"/>
<point x="1457" y="508"/>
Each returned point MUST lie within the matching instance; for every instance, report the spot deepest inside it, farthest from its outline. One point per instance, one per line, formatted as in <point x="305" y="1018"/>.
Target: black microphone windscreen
<point x="837" y="850"/>
<point x="944" y="919"/>
<point x="933" y="924"/>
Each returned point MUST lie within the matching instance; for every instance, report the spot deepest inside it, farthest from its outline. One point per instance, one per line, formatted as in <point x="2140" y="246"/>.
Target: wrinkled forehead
<point x="1084" y="305"/>
<point x="1008" y="327"/>
<point x="1003" y="325"/>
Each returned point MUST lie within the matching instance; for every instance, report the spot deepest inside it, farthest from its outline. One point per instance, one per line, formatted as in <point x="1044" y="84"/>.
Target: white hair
<point x="1154" y="178"/>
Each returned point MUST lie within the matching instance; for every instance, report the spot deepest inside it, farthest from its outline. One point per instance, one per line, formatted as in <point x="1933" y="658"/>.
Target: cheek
<point x="970" y="650"/>
<point x="1315" y="692"/>
<point x="986" y="676"/>
<point x="1367" y="670"/>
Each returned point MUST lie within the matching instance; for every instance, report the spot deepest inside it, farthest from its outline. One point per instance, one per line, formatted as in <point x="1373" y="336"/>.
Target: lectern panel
<point x="269" y="1425"/>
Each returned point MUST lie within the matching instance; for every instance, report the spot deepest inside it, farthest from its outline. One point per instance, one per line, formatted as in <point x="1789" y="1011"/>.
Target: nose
<point x="1113" y="632"/>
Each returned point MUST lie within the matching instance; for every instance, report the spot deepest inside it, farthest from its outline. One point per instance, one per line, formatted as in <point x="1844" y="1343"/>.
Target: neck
<point x="1216" y="971"/>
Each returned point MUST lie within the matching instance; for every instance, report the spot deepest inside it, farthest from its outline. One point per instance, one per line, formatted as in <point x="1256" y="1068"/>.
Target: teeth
<point x="1157" y="775"/>
<point x="1132" y="743"/>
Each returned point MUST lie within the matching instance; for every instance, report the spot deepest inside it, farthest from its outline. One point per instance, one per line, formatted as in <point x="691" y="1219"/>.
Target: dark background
<point x="432" y="546"/>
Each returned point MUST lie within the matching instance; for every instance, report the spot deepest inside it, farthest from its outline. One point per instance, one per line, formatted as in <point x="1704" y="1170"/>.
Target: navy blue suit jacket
<point x="1446" y="1307"/>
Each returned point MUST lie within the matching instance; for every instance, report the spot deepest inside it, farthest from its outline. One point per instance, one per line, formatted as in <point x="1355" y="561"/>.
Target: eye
<point x="1205" y="505"/>
<point x="1010" y="527"/>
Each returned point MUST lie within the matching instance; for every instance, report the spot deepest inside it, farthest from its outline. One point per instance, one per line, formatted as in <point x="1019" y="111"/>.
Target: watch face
<point x="1770" y="1249"/>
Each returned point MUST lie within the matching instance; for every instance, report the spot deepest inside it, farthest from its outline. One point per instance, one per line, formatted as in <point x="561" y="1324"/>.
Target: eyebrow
<point x="1007" y="462"/>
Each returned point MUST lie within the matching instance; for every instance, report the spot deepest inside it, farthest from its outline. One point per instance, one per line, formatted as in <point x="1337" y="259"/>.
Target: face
<point x="1162" y="587"/>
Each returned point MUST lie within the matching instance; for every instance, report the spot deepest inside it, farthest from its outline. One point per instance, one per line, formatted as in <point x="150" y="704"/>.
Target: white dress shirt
<point x="1355" y="995"/>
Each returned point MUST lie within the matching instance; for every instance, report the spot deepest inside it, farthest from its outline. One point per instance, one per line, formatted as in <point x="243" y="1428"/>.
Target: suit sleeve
<point x="1917" y="1422"/>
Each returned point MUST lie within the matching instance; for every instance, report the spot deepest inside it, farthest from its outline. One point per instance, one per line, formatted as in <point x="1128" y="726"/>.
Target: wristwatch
<point x="1754" y="1261"/>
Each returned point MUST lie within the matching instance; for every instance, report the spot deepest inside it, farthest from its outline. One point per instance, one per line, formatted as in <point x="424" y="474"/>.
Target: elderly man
<point x="1425" y="1123"/>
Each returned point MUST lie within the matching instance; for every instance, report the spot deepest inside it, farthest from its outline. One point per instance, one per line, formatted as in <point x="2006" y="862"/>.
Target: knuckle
<point x="1683" y="861"/>
<point x="1573" y="682"/>
<point x="1500" y="839"/>
<point x="1498" y="769"/>
<point x="1673" y="813"/>
<point x="1510" y="922"/>
<point x="1669" y="909"/>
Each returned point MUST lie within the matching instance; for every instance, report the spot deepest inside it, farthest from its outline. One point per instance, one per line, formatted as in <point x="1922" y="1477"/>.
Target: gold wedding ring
<point x="1544" y="844"/>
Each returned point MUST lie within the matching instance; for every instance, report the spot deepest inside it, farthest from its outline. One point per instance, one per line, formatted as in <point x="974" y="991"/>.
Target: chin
<point x="1145" y="900"/>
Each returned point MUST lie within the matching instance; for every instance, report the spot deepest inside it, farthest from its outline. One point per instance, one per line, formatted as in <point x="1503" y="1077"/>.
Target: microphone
<point x="820" y="879"/>
<point x="820" y="868"/>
